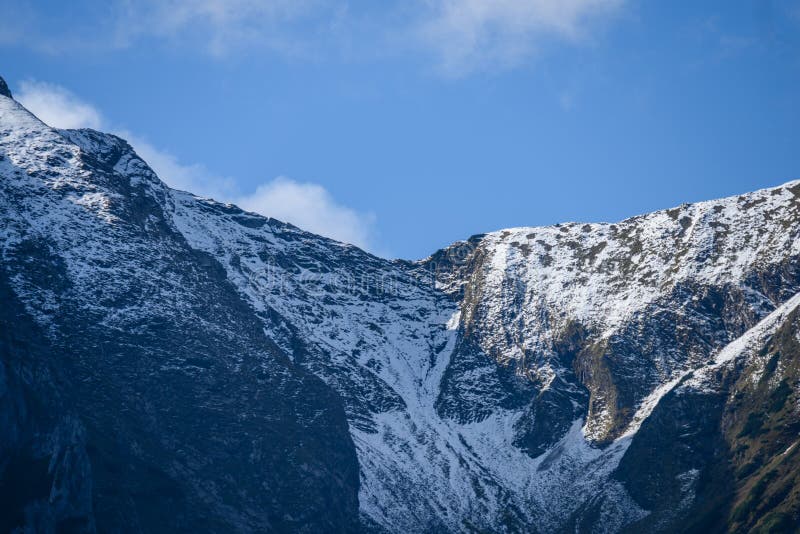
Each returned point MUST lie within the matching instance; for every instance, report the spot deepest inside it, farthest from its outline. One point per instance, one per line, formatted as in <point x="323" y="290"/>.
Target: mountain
<point x="172" y="362"/>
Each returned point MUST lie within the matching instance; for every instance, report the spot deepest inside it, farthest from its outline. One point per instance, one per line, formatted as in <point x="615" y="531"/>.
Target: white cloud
<point x="311" y="207"/>
<point x="306" y="205"/>
<point x="57" y="107"/>
<point x="474" y="34"/>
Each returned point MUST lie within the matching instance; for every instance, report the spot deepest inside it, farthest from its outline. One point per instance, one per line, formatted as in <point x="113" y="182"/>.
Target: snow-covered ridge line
<point x="608" y="271"/>
<point x="635" y="218"/>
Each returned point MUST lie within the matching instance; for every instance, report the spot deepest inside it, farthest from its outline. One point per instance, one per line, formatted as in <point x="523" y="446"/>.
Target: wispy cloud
<point x="225" y="26"/>
<point x="307" y="205"/>
<point x="216" y="27"/>
<point x="462" y="36"/>
<point x="474" y="34"/>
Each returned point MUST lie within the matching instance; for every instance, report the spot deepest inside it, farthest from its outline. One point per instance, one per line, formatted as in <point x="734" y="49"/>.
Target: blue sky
<point x="405" y="126"/>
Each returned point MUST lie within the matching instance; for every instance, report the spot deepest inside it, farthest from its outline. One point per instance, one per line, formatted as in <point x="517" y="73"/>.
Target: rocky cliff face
<point x="46" y="481"/>
<point x="718" y="452"/>
<point x="202" y="365"/>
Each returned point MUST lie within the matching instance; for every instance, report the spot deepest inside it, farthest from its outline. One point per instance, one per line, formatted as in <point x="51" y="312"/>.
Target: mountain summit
<point x="4" y="90"/>
<point x="171" y="362"/>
